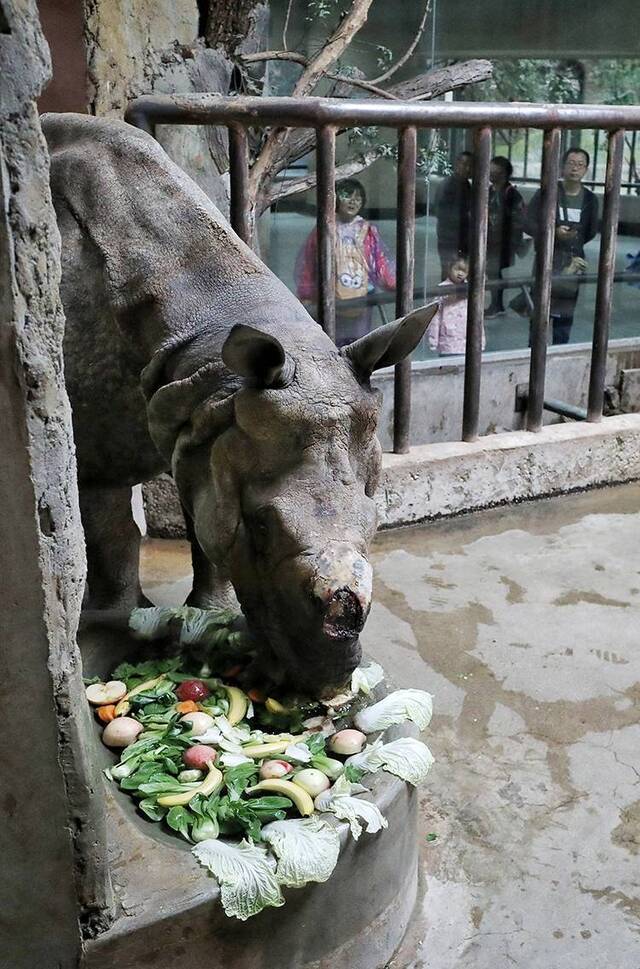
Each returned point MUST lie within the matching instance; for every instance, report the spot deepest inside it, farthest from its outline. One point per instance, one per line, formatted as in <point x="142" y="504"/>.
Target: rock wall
<point x="54" y="889"/>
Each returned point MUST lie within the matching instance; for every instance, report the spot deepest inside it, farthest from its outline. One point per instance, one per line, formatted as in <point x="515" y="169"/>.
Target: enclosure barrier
<point x="330" y="116"/>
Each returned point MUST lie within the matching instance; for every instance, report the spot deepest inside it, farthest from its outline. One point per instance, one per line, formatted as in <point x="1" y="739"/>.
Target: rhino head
<point x="281" y="495"/>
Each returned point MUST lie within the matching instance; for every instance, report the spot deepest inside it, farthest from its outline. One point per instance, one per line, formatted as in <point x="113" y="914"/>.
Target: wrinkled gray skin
<point x="184" y="352"/>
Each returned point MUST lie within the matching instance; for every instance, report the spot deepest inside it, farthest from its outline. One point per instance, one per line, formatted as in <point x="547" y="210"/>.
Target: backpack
<point x="352" y="272"/>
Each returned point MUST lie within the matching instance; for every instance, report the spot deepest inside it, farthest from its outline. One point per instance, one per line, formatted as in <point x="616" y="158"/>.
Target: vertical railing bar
<point x="544" y="270"/>
<point x="606" y="268"/>
<point x="596" y="149"/>
<point x="405" y="270"/>
<point x="326" y="227"/>
<point x="632" y="156"/>
<point x="477" y="264"/>
<point x="526" y="153"/>
<point x="239" y="182"/>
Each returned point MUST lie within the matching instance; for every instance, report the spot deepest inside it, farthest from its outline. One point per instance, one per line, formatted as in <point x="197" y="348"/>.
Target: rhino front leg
<point x="113" y="549"/>
<point x="209" y="590"/>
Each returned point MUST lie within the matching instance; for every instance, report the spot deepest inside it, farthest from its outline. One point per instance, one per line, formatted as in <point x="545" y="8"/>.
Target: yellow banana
<point x="210" y="785"/>
<point x="124" y="706"/>
<point x="238" y="704"/>
<point x="274" y="706"/>
<point x="274" y="747"/>
<point x="302" y="800"/>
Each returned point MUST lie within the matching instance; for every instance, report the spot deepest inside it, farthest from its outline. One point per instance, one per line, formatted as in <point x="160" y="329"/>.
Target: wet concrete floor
<point x="525" y="625"/>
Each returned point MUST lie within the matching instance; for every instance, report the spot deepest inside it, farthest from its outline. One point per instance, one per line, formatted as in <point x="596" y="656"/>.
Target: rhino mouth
<point x="343" y="617"/>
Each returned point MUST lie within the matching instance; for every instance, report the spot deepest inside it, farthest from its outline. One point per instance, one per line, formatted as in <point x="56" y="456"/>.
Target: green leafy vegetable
<point x="246" y="876"/>
<point x="179" y="820"/>
<point x="307" y="850"/>
<point x="395" y="708"/>
<point x="406" y="757"/>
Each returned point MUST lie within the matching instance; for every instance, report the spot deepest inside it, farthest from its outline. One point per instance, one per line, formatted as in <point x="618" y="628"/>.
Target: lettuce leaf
<point x="406" y="757"/>
<point x="298" y="753"/>
<point x="339" y="800"/>
<point x="415" y="705"/>
<point x="307" y="850"/>
<point x="365" y="679"/>
<point x="151" y="623"/>
<point x="246" y="876"/>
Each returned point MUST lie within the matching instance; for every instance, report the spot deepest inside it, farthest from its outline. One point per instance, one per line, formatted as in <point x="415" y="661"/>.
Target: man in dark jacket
<point x="576" y="224"/>
<point x="504" y="227"/>
<point x="453" y="206"/>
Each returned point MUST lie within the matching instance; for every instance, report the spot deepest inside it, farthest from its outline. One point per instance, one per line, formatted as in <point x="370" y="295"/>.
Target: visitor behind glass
<point x="453" y="212"/>
<point x="576" y="224"/>
<point x="447" y="333"/>
<point x="504" y="227"/>
<point x="362" y="264"/>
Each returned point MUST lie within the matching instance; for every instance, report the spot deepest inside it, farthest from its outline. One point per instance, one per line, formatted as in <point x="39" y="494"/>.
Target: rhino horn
<point x="257" y="356"/>
<point x="391" y="343"/>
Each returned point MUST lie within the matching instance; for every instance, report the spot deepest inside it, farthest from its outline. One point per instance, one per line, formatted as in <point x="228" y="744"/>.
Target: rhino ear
<point x="391" y="343"/>
<point x="257" y="356"/>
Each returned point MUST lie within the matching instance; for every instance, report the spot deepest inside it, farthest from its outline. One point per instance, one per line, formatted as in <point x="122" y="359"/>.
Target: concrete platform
<point x="525" y="624"/>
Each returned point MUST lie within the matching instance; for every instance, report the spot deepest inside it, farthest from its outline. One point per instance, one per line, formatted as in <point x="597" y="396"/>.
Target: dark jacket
<point x="564" y="292"/>
<point x="453" y="206"/>
<point x="587" y="227"/>
<point x="505" y="224"/>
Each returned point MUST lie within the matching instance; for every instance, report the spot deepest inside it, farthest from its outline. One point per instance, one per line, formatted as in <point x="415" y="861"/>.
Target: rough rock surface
<point x="51" y="832"/>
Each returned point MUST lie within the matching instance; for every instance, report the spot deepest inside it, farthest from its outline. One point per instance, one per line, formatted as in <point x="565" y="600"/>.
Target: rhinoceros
<point x="184" y="352"/>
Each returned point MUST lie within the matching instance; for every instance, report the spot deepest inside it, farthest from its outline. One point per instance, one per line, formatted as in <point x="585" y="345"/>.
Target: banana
<point x="274" y="747"/>
<point x="238" y="704"/>
<point x="124" y="706"/>
<point x="302" y="800"/>
<point x="274" y="706"/>
<point x="210" y="785"/>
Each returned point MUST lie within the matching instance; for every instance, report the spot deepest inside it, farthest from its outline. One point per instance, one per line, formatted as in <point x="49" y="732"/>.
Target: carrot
<point x="232" y="672"/>
<point x="256" y="695"/>
<point x="107" y="713"/>
<point x="187" y="706"/>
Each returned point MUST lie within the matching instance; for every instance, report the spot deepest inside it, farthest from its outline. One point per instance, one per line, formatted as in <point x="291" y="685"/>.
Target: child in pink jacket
<point x="448" y="330"/>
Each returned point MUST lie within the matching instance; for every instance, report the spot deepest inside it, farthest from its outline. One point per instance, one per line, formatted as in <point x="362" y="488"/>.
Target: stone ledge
<point x="437" y="480"/>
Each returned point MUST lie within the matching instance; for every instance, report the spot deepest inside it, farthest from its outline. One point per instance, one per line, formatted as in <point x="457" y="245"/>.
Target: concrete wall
<point x="437" y="389"/>
<point x="439" y="480"/>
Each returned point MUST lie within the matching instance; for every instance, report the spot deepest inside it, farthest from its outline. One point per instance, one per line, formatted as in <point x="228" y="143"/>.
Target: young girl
<point x="448" y="330"/>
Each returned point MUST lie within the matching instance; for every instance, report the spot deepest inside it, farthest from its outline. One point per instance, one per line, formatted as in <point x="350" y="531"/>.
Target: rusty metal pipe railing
<point x="152" y="109"/>
<point x="326" y="227"/>
<point x="329" y="116"/>
<point x="544" y="264"/>
<point x="239" y="182"/>
<point x="477" y="267"/>
<point x="405" y="263"/>
<point x="606" y="267"/>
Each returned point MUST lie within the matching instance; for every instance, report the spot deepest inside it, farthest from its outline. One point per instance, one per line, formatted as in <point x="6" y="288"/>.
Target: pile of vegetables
<point x="249" y="780"/>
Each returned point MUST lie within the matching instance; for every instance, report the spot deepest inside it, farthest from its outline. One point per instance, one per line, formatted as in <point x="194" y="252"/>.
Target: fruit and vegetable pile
<point x="249" y="780"/>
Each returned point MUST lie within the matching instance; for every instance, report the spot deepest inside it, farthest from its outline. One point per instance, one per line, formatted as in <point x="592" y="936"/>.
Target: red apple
<point x="193" y="690"/>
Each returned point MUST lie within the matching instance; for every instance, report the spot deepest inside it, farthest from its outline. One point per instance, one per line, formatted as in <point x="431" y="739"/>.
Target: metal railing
<point x="329" y="116"/>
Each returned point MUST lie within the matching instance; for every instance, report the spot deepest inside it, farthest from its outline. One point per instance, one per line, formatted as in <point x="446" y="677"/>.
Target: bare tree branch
<point x="285" y="55"/>
<point x="333" y="49"/>
<point x="272" y="150"/>
<point x="286" y="24"/>
<point x="297" y="185"/>
<point x="409" y="52"/>
<point x="425" y="86"/>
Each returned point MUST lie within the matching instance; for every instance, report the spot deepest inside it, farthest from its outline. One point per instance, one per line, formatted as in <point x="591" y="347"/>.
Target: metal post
<point x="477" y="263"/>
<point x="606" y="266"/>
<point x="239" y="178"/>
<point x="405" y="263"/>
<point x="544" y="264"/>
<point x="326" y="227"/>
